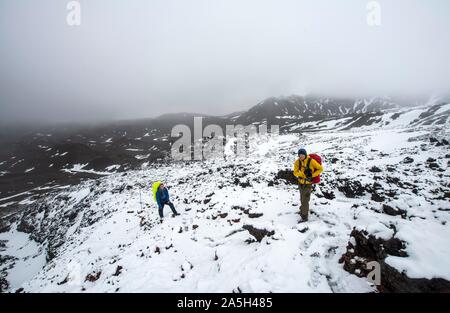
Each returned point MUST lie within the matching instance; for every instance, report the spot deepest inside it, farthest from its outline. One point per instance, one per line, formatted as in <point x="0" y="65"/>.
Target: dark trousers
<point x="170" y="204"/>
<point x="305" y="195"/>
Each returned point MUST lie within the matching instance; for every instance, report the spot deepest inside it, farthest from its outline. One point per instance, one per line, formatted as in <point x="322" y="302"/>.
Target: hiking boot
<point x="175" y="214"/>
<point x="303" y="220"/>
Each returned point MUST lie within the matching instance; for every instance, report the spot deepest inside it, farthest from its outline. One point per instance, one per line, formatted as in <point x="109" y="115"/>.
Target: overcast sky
<point x="142" y="58"/>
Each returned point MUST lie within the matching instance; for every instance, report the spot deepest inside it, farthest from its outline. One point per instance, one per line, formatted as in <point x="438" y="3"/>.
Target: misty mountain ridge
<point x="68" y="154"/>
<point x="297" y="105"/>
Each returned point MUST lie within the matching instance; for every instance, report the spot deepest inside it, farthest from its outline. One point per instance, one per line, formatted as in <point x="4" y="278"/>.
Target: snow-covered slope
<point x="238" y="227"/>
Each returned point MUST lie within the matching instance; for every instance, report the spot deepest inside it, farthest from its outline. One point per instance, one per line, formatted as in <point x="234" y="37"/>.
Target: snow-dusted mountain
<point x="314" y="107"/>
<point x="384" y="198"/>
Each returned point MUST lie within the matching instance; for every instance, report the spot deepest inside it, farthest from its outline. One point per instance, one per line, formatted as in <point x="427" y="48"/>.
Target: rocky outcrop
<point x="47" y="223"/>
<point x="365" y="248"/>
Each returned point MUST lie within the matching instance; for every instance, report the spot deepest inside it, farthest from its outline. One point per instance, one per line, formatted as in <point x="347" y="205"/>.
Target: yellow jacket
<point x="299" y="170"/>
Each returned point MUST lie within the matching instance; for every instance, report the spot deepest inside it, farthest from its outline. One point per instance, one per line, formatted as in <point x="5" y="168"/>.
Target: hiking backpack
<point x="155" y="189"/>
<point x="316" y="180"/>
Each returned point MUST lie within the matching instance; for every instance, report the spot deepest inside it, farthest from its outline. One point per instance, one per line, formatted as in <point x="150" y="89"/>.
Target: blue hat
<point x="302" y="151"/>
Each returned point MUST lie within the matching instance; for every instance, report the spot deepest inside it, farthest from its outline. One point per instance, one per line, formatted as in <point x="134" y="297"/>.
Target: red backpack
<point x="316" y="180"/>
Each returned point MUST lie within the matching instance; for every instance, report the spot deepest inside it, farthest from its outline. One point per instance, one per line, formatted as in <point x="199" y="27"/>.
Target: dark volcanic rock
<point x="328" y="195"/>
<point x="206" y="201"/>
<point x="255" y="215"/>
<point x="390" y="168"/>
<point x="334" y="160"/>
<point x="393" y="212"/>
<point x="326" y="192"/>
<point x="368" y="248"/>
<point x="433" y="165"/>
<point x="93" y="276"/>
<point x="5" y="226"/>
<point x="25" y="226"/>
<point x="408" y="160"/>
<point x="351" y="188"/>
<point x="377" y="192"/>
<point x="288" y="176"/>
<point x="375" y="169"/>
<point x="259" y="234"/>
<point x="4" y="285"/>
<point x="244" y="184"/>
<point x="377" y="197"/>
<point x="118" y="270"/>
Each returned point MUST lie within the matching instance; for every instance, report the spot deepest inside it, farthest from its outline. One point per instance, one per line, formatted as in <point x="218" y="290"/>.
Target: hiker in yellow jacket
<point x="305" y="177"/>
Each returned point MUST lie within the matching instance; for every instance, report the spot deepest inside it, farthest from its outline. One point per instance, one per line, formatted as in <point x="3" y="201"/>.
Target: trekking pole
<point x="140" y="197"/>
